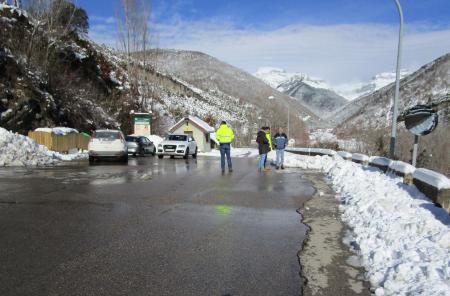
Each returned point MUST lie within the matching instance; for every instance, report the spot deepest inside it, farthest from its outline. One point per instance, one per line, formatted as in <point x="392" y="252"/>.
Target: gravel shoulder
<point x="324" y="259"/>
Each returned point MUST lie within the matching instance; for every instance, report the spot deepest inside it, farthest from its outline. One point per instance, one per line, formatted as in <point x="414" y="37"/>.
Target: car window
<point x="107" y="135"/>
<point x="176" y="138"/>
<point x="131" y="139"/>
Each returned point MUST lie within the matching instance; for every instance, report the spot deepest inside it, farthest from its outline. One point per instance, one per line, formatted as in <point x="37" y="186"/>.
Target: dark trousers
<point x="225" y="150"/>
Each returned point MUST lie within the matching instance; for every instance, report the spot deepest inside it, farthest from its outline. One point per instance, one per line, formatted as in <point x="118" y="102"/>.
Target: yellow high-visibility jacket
<point x="269" y="138"/>
<point x="224" y="134"/>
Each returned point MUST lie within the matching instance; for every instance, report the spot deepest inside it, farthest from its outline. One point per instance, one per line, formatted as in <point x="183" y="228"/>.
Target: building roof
<point x="196" y="121"/>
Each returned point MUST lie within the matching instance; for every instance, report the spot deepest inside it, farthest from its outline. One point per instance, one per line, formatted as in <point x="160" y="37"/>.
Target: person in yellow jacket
<point x="225" y="136"/>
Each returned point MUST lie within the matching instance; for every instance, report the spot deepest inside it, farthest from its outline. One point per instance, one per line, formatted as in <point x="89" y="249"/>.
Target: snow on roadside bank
<point x="18" y="150"/>
<point x="402" y="239"/>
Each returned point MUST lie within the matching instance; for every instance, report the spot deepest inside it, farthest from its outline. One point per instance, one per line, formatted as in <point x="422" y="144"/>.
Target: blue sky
<point x="316" y="37"/>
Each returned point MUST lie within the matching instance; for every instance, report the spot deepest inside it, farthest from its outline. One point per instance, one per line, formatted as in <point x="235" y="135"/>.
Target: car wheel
<point x="154" y="152"/>
<point x="160" y="156"/>
<point x="134" y="154"/>
<point x="186" y="154"/>
<point x="195" y="154"/>
<point x="91" y="160"/>
<point x="125" y="158"/>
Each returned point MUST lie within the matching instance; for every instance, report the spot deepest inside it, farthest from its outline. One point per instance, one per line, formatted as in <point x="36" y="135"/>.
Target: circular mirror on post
<point x="421" y="120"/>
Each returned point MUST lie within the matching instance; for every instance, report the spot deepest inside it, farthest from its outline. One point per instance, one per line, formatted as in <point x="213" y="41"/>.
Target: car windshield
<point x="107" y="135"/>
<point x="132" y="139"/>
<point x="176" y="138"/>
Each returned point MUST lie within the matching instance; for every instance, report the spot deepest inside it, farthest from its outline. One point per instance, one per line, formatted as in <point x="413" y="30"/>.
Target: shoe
<point x="230" y="170"/>
<point x="277" y="167"/>
<point x="223" y="171"/>
<point x="282" y="167"/>
<point x="266" y="170"/>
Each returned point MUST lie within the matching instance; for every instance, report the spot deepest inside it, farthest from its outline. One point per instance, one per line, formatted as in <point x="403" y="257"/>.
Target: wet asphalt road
<point x="154" y="227"/>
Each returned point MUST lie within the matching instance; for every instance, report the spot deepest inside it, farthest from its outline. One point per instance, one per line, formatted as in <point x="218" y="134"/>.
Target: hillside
<point x="68" y="80"/>
<point x="373" y="111"/>
<point x="368" y="119"/>
<point x="211" y="75"/>
<point x="311" y="92"/>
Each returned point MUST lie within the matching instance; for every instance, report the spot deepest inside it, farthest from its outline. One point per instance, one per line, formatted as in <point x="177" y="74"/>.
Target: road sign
<point x="142" y="120"/>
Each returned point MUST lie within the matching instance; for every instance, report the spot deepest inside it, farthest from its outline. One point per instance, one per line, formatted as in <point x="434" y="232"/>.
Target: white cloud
<point x="337" y="53"/>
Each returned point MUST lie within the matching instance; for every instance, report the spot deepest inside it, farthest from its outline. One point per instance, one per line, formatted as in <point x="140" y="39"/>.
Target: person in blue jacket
<point x="280" y="141"/>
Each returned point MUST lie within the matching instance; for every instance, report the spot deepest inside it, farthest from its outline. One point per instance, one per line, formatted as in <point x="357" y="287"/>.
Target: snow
<point x="155" y="139"/>
<point x="358" y="89"/>
<point x="382" y="161"/>
<point x="235" y="152"/>
<point x="5" y="114"/>
<point x="57" y="130"/>
<point x="432" y="178"/>
<point x="401" y="237"/>
<point x="402" y="167"/>
<point x="19" y="150"/>
<point x="360" y="157"/>
<point x="275" y="77"/>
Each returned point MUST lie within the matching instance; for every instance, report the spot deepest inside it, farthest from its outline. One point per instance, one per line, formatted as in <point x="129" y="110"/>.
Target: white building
<point x="203" y="133"/>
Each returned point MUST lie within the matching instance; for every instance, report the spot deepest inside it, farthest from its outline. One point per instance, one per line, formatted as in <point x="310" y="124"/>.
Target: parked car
<point x="140" y="145"/>
<point x="177" y="145"/>
<point x="108" y="144"/>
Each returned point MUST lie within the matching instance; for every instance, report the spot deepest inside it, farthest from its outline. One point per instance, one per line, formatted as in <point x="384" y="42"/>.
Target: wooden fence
<point x="60" y="143"/>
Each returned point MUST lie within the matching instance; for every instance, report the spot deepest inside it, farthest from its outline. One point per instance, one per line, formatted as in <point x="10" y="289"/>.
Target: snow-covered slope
<point x="312" y="92"/>
<point x="275" y="77"/>
<point x="351" y="91"/>
<point x="373" y="110"/>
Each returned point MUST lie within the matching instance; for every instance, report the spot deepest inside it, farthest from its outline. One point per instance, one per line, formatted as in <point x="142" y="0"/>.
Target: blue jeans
<point x="225" y="150"/>
<point x="262" y="160"/>
<point x="280" y="157"/>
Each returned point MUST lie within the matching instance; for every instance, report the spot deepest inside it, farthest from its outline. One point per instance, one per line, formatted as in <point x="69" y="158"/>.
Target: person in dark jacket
<point x="263" y="147"/>
<point x="280" y="141"/>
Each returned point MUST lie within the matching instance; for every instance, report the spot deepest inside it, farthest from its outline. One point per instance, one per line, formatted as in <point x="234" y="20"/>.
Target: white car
<point x="177" y="145"/>
<point x="108" y="144"/>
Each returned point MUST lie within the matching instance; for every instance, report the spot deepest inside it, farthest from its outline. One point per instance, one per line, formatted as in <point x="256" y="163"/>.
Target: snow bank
<point x="402" y="239"/>
<point x="235" y="152"/>
<point x="155" y="139"/>
<point x="432" y="178"/>
<point x="402" y="167"/>
<point x="18" y="150"/>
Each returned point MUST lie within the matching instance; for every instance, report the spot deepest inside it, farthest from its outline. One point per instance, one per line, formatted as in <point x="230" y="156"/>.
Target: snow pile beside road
<point x="402" y="239"/>
<point x="155" y="139"/>
<point x="235" y="152"/>
<point x="18" y="150"/>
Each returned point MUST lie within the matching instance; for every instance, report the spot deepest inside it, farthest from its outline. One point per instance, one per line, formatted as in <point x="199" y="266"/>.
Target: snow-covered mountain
<point x="351" y="91"/>
<point x="311" y="91"/>
<point x="275" y="77"/>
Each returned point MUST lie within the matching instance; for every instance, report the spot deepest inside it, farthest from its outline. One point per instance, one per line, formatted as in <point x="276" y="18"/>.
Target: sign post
<point x="142" y="124"/>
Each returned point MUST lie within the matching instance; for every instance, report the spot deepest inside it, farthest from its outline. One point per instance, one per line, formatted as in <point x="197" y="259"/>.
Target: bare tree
<point x="133" y="18"/>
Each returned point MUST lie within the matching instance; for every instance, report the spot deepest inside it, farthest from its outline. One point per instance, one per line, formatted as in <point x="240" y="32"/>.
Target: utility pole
<point x="397" y="84"/>
<point x="288" y="123"/>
